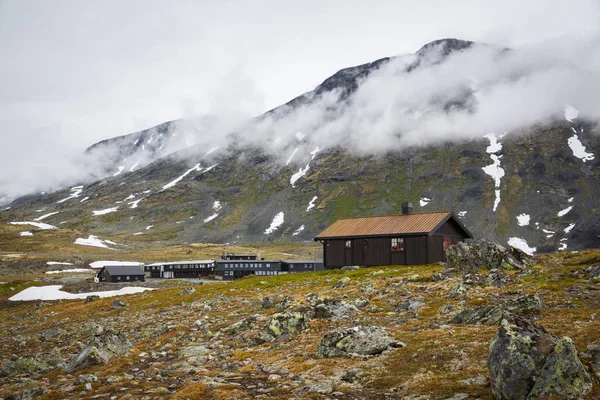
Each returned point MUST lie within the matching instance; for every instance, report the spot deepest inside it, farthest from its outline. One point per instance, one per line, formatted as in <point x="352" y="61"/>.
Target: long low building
<point x="233" y="269"/>
<point x="181" y="269"/>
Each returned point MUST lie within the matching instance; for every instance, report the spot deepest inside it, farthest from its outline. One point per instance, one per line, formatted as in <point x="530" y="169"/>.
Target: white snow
<point x="300" y="136"/>
<point x="523" y="219"/>
<point x="208" y="219"/>
<point x="146" y="191"/>
<point x="571" y="112"/>
<point x="149" y="226"/>
<point x="186" y="173"/>
<point x="297" y="231"/>
<point x="134" y="204"/>
<point x="73" y="270"/>
<point x="521" y="244"/>
<point x="136" y="141"/>
<point x="299" y="175"/>
<point x="39" y="225"/>
<point x="75" y="192"/>
<point x="462" y="213"/>
<point x="109" y="241"/>
<point x="46" y="216"/>
<point x="289" y="160"/>
<point x="571" y="199"/>
<point x="494" y="146"/>
<point x="579" y="149"/>
<point x="276" y="223"/>
<point x="134" y="166"/>
<point x="130" y="197"/>
<point x="548" y="233"/>
<point x="564" y="212"/>
<point x="84" y="199"/>
<point x="121" y="168"/>
<point x="311" y="204"/>
<point x="92" y="241"/>
<point x="105" y="211"/>
<point x="217" y="205"/>
<point x="313" y="153"/>
<point x="26" y="233"/>
<point x="53" y="292"/>
<point x="211" y="150"/>
<point x="568" y="228"/>
<point x="58" y="263"/>
<point x="424" y="201"/>
<point x="104" y="263"/>
<point x="138" y="233"/>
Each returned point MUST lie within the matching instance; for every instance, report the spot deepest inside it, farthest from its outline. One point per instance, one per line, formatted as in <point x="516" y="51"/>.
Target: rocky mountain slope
<point x="537" y="188"/>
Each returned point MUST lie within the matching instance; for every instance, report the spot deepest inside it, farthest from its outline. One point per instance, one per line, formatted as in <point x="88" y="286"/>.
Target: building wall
<point x="234" y="269"/>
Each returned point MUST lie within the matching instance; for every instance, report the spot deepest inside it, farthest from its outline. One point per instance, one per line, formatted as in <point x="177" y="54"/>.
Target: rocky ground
<point x="419" y="332"/>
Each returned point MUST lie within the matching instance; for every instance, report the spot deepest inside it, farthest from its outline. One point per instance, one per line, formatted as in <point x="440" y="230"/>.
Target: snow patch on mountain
<point x="571" y="113"/>
<point x="93" y="241"/>
<point x="494" y="170"/>
<point x="120" y="169"/>
<point x="564" y="212"/>
<point x="289" y="160"/>
<point x="276" y="223"/>
<point x="46" y="216"/>
<point x="105" y="211"/>
<point x="186" y="173"/>
<point x="521" y="244"/>
<point x="297" y="231"/>
<point x="39" y="225"/>
<point x="210" y="218"/>
<point x="579" y="150"/>
<point x="523" y="219"/>
<point x="26" y="233"/>
<point x="134" y="204"/>
<point x="311" y="204"/>
<point x="75" y="192"/>
<point x="424" y="201"/>
<point x="568" y="228"/>
<point x="217" y="205"/>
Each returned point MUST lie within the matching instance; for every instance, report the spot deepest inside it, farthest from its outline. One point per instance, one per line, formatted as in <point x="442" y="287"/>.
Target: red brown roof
<point x="414" y="223"/>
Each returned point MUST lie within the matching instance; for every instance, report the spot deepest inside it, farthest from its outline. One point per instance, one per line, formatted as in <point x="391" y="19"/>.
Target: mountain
<point x="536" y="188"/>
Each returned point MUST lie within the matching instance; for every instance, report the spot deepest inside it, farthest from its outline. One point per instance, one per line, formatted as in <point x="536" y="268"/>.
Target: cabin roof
<point x="115" y="270"/>
<point x="385" y="225"/>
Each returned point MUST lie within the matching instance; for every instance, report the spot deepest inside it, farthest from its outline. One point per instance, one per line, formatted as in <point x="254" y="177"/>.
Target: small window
<point x="348" y="244"/>
<point x="397" y="244"/>
<point x="118" y="278"/>
<point x="127" y="277"/>
<point x="447" y="243"/>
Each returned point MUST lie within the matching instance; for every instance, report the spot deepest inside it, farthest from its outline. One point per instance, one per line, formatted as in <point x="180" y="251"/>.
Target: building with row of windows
<point x="181" y="269"/>
<point x="231" y="269"/>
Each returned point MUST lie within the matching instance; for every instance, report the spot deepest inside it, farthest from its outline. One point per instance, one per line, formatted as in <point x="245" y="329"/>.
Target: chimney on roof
<point x="407" y="208"/>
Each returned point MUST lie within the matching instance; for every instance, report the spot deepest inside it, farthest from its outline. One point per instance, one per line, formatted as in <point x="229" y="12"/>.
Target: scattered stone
<point x="470" y="257"/>
<point x="267" y="302"/>
<point x="478" y="380"/>
<point x="91" y="298"/>
<point x="412" y="303"/>
<point x="335" y="309"/>
<point x="447" y="308"/>
<point x="52" y="333"/>
<point x="358" y="340"/>
<point x="341" y="282"/>
<point x="475" y="279"/>
<point x="457" y="290"/>
<point x="100" y="350"/>
<point x="88" y="386"/>
<point x="320" y="387"/>
<point x="118" y="304"/>
<point x="526" y="362"/>
<point x="591" y="272"/>
<point x="81" y="379"/>
<point x="458" y="396"/>
<point x="241" y="325"/>
<point x="498" y="277"/>
<point x="529" y="306"/>
<point x="350" y="268"/>
<point x="287" y="323"/>
<point x="593" y="351"/>
<point x="187" y="291"/>
<point x="193" y="351"/>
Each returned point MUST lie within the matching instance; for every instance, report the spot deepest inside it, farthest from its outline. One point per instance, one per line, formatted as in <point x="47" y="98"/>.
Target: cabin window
<point x="118" y="278"/>
<point x="447" y="243"/>
<point x="348" y="244"/>
<point x="397" y="244"/>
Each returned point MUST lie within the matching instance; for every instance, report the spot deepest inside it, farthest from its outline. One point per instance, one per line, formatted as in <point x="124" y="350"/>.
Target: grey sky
<point x="75" y="72"/>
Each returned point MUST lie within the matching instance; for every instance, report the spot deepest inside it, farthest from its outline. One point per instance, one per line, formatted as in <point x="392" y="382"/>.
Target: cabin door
<point x="348" y="259"/>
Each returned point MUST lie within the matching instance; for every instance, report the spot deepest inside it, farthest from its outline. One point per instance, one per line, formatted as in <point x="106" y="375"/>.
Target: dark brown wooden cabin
<point x="405" y="239"/>
<point x="121" y="273"/>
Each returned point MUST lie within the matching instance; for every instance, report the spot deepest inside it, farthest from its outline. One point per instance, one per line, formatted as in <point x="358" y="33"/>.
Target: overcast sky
<point x="76" y="72"/>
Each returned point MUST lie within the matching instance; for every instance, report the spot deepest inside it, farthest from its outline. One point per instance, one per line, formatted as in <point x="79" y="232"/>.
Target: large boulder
<point x="526" y="363"/>
<point x="101" y="349"/>
<point x="530" y="306"/>
<point x="471" y="257"/>
<point x="287" y="323"/>
<point x="358" y="340"/>
<point x="335" y="309"/>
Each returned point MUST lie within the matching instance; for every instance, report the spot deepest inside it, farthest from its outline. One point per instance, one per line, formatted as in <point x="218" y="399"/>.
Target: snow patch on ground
<point x="217" y="205"/>
<point x="571" y="199"/>
<point x="93" y="241"/>
<point x="568" y="228"/>
<point x="73" y="270"/>
<point x="521" y="244"/>
<point x="134" y="204"/>
<point x="46" y="216"/>
<point x="462" y="213"/>
<point x="103" y="263"/>
<point x="494" y="170"/>
<point x="84" y="199"/>
<point x="208" y="219"/>
<point x="26" y="233"/>
<point x="138" y="233"/>
<point x="75" y="192"/>
<point x="579" y="149"/>
<point x="571" y="112"/>
<point x="313" y="153"/>
<point x="105" y="211"/>
<point x="130" y="197"/>
<point x="58" y="263"/>
<point x="276" y="223"/>
<point x="53" y="292"/>
<point x="523" y="219"/>
<point x="494" y="146"/>
<point x="564" y="212"/>
<point x="299" y="175"/>
<point x="311" y="204"/>
<point x="149" y="226"/>
<point x="39" y="225"/>
<point x="424" y="201"/>
<point x="297" y="231"/>
<point x="548" y="233"/>
<point x="121" y="168"/>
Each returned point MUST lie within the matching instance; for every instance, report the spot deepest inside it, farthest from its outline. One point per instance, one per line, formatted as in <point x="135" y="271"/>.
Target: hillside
<point x="210" y="342"/>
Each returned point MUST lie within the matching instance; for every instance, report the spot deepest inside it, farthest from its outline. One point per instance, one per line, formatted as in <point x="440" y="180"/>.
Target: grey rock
<point x="471" y="257"/>
<point x="267" y="302"/>
<point x="88" y="386"/>
<point x="498" y="277"/>
<point x="81" y="379"/>
<point x="287" y="323"/>
<point x="118" y="304"/>
<point x="341" y="282"/>
<point x="350" y="268"/>
<point x="320" y="387"/>
<point x="591" y="272"/>
<point x="458" y="396"/>
<point x="335" y="309"/>
<point x="187" y="291"/>
<point x="52" y="333"/>
<point x="91" y="298"/>
<point x="529" y="306"/>
<point x="194" y="351"/>
<point x="412" y="303"/>
<point x="478" y="380"/>
<point x="358" y="340"/>
<point x="457" y="290"/>
<point x="100" y="350"/>
<point x="526" y="362"/>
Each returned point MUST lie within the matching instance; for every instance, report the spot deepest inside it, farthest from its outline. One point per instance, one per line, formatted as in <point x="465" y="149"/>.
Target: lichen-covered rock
<point x="357" y="340"/>
<point x="287" y="323"/>
<point x="457" y="290"/>
<point x="241" y="325"/>
<point x="530" y="306"/>
<point x="335" y="309"/>
<point x="52" y="333"/>
<point x="591" y="272"/>
<point x="100" y="350"/>
<point x="90" y="298"/>
<point x="497" y="277"/>
<point x="526" y="362"/>
<point x="341" y="282"/>
<point x="285" y="304"/>
<point x="593" y="352"/>
<point x="471" y="257"/>
<point x="412" y="303"/>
